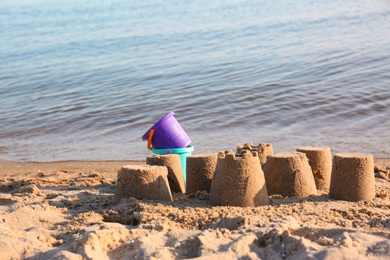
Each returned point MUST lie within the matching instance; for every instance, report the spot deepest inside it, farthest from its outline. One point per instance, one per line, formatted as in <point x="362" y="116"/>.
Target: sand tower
<point x="353" y="177"/>
<point x="320" y="161"/>
<point x="238" y="181"/>
<point x="143" y="182"/>
<point x="175" y="173"/>
<point x="263" y="149"/>
<point x="289" y="174"/>
<point x="200" y="172"/>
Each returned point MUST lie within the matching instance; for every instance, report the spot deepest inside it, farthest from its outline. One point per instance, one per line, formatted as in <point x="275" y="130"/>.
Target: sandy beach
<point x="65" y="210"/>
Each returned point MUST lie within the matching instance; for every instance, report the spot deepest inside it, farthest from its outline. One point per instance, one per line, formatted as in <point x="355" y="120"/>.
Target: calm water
<point x="85" y="79"/>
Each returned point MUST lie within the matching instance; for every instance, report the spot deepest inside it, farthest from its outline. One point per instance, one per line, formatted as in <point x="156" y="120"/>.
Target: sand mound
<point x="69" y="213"/>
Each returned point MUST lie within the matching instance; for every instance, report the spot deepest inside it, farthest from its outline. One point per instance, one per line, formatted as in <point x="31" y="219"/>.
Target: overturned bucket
<point x="167" y="133"/>
<point x="183" y="152"/>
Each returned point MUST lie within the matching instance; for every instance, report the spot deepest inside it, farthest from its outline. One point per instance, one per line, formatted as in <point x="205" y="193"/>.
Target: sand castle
<point x="289" y="174"/>
<point x="263" y="149"/>
<point x="143" y="182"/>
<point x="238" y="181"/>
<point x="175" y="173"/>
<point x="320" y="161"/>
<point x="200" y="172"/>
<point x="241" y="180"/>
<point x="352" y="177"/>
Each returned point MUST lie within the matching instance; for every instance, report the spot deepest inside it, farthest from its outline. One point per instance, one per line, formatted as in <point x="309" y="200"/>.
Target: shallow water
<point x="84" y="80"/>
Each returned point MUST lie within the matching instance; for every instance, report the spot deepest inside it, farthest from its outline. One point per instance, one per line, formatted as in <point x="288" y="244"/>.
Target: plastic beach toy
<point x="183" y="152"/>
<point x="167" y="133"/>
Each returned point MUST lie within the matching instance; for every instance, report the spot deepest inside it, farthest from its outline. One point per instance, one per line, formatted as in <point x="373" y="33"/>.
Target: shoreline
<point x="107" y="165"/>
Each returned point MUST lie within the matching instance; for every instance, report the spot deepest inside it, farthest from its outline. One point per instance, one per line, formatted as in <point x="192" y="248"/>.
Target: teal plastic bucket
<point x="183" y="152"/>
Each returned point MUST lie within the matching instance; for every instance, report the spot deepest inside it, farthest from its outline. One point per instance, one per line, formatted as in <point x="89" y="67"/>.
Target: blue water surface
<point x="83" y="80"/>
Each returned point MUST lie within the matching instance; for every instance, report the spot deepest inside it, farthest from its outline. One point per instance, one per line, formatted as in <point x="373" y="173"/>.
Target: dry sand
<point x="66" y="210"/>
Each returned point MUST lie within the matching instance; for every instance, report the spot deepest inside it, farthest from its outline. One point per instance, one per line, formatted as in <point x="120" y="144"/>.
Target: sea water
<point x="83" y="80"/>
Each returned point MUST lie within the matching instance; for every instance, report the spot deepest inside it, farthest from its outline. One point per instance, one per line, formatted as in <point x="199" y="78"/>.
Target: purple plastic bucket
<point x="168" y="133"/>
